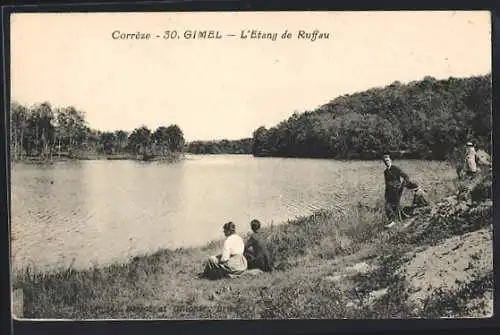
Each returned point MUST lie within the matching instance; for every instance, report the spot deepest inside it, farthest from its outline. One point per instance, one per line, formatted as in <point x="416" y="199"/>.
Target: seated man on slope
<point x="419" y="198"/>
<point x="231" y="262"/>
<point x="256" y="251"/>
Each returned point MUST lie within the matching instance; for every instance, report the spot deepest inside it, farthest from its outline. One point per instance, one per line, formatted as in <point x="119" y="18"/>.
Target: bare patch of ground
<point x="456" y="260"/>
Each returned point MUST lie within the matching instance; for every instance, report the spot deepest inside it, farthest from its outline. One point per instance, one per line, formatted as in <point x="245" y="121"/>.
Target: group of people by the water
<point x="238" y="256"/>
<point x="396" y="180"/>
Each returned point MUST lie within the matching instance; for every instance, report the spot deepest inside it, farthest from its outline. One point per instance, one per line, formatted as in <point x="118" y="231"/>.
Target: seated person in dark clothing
<point x="256" y="251"/>
<point x="419" y="198"/>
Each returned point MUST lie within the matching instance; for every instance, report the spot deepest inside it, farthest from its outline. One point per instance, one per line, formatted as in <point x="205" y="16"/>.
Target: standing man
<point x="395" y="180"/>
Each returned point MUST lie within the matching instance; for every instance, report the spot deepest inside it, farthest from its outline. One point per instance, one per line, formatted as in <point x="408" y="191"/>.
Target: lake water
<point x="97" y="212"/>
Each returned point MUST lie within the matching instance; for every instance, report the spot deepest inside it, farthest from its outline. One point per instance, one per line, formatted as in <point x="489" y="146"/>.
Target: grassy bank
<point x="339" y="263"/>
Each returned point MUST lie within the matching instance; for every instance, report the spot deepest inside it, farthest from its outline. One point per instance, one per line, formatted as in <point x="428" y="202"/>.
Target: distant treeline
<point x="243" y="146"/>
<point x="425" y="119"/>
<point x="42" y="132"/>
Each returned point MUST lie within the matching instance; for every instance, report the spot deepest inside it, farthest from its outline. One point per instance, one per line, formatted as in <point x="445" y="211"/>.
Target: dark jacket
<point x="257" y="253"/>
<point x="393" y="184"/>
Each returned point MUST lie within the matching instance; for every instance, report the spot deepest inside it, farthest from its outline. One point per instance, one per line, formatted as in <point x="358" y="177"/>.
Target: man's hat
<point x="469" y="144"/>
<point x="411" y="185"/>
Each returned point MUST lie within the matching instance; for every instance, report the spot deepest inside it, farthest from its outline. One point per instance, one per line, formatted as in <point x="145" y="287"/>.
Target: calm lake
<point x="97" y="212"/>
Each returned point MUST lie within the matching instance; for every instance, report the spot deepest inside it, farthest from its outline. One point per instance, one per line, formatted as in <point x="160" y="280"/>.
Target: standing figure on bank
<point x="472" y="162"/>
<point x="231" y="262"/>
<point x="256" y="250"/>
<point x="395" y="180"/>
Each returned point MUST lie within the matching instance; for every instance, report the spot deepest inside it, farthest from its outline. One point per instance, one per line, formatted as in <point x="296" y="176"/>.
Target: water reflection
<point x="45" y="199"/>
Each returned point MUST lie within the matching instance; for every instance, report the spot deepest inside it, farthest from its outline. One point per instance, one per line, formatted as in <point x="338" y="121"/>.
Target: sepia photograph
<point x="251" y="165"/>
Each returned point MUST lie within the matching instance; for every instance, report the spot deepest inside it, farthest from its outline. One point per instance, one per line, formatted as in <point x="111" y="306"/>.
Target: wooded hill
<point x="425" y="119"/>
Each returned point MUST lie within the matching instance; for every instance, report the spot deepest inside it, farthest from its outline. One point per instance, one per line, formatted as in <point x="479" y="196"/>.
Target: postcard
<point x="251" y="165"/>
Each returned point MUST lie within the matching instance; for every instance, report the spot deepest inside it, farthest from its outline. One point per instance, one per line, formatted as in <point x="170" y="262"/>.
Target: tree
<point x="175" y="138"/>
<point x="42" y="129"/>
<point x="139" y="141"/>
<point x="19" y="125"/>
<point x="121" y="139"/>
<point x="161" y="139"/>
<point x="72" y="131"/>
<point x="107" y="141"/>
<point x="260" y="141"/>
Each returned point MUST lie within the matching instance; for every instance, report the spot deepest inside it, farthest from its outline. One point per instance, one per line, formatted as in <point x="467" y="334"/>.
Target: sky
<point x="226" y="88"/>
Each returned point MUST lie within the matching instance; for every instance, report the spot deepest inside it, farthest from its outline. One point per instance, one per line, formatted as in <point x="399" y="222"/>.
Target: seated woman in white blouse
<point x="231" y="262"/>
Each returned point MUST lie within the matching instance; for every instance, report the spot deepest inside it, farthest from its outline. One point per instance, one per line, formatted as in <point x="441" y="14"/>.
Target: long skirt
<point x="234" y="267"/>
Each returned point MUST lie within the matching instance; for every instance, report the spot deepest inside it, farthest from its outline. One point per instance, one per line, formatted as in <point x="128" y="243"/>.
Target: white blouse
<point x="233" y="245"/>
<point x="471" y="162"/>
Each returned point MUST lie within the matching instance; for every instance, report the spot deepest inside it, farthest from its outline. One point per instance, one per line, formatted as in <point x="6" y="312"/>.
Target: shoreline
<point x="65" y="158"/>
<point x="325" y="263"/>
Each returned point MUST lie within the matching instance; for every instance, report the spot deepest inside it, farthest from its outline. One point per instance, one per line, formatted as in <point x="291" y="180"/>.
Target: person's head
<point x="255" y="225"/>
<point x="387" y="160"/>
<point x="469" y="147"/>
<point x="229" y="228"/>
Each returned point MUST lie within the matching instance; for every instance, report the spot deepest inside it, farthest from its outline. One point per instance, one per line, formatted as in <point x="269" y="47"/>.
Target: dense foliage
<point x="422" y="119"/>
<point x="43" y="132"/>
<point x="243" y="146"/>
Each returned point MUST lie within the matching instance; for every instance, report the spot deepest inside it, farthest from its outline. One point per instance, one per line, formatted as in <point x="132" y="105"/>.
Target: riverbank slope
<point x="333" y="264"/>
